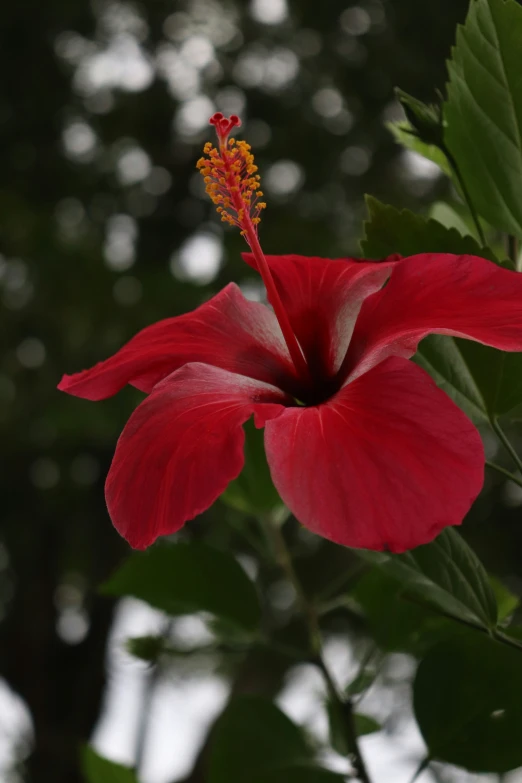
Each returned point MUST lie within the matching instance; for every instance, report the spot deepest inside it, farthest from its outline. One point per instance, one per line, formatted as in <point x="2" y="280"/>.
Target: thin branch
<point x="500" y="636"/>
<point x="150" y="687"/>
<point x="341" y="580"/>
<point x="420" y="769"/>
<point x="344" y="707"/>
<point x="506" y="443"/>
<point x="467" y="197"/>
<point x="504" y="472"/>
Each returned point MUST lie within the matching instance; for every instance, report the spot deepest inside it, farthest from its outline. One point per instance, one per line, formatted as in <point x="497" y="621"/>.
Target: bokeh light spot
<point x="284" y="177"/>
<point x="79" y="141"/>
<point x="127" y="291"/>
<point x="44" y="473"/>
<point x="269" y="11"/>
<point x="133" y="166"/>
<point x="327" y="102"/>
<point x="355" y="21"/>
<point x="31" y="353"/>
<point x="355" y="161"/>
<point x="118" y="249"/>
<point x="199" y="258"/>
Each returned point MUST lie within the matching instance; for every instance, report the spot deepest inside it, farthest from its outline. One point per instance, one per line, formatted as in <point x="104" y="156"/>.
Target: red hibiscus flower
<point x="362" y="445"/>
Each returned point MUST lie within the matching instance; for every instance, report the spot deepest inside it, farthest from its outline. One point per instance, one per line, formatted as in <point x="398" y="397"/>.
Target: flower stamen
<point x="230" y="176"/>
<point x="233" y="184"/>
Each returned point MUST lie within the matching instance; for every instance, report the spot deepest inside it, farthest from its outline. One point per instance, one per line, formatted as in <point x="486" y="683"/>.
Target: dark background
<point x="100" y="130"/>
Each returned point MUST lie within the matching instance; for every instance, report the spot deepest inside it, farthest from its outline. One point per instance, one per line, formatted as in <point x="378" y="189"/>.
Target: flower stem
<point x="149" y="691"/>
<point x="420" y="769"/>
<point x="506" y="443"/>
<point x="500" y="636"/>
<point x="343" y="707"/>
<point x="467" y="197"/>
<point x="504" y="472"/>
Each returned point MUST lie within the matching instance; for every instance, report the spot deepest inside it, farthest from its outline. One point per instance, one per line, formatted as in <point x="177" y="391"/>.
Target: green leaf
<point x="362" y="682"/>
<point x="364" y="724"/>
<point x="254" y="735"/>
<point x="454" y="215"/>
<point x="506" y="601"/>
<point x="337" y="729"/>
<point x="445" y="360"/>
<point x="484" y="382"/>
<point x="99" y="770"/>
<point x="253" y="490"/>
<point x="338" y="715"/>
<point x="425" y="119"/>
<point x="467" y="703"/>
<point x="397" y="623"/>
<point x="146" y="648"/>
<point x="189" y="577"/>
<point x="498" y="374"/>
<point x="483" y="112"/>
<point x="404" y="134"/>
<point x="445" y="574"/>
<point x="389" y="230"/>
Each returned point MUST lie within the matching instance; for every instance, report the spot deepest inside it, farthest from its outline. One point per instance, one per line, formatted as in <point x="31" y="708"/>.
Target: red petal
<point x="181" y="447"/>
<point x="386" y="464"/>
<point x="323" y="297"/>
<point x="465" y="296"/>
<point x="228" y="331"/>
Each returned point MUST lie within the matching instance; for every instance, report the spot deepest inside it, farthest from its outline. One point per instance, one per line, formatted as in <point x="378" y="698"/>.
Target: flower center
<point x="233" y="185"/>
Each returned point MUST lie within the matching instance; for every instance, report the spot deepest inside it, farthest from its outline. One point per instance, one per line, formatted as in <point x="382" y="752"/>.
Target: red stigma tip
<point x="224" y="125"/>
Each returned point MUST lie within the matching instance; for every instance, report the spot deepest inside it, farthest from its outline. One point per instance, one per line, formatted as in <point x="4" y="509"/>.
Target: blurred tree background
<point x="105" y="228"/>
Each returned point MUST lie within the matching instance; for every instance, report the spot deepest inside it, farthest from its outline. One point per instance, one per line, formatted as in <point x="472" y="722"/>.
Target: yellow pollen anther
<point x="230" y="178"/>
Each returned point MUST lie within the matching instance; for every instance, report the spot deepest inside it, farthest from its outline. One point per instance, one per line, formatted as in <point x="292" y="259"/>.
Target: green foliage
<point x="445" y="360"/>
<point x="339" y="716"/>
<point x="146" y="648"/>
<point x="506" y="601"/>
<point x="253" y="491"/>
<point x="254" y="736"/>
<point x="389" y="230"/>
<point x="396" y="622"/>
<point x="99" y="770"/>
<point x="189" y="577"/>
<point x="425" y="119"/>
<point x="362" y="682"/>
<point x="445" y="574"/>
<point x="483" y="112"/>
<point x="467" y="703"/>
<point x="364" y="724"/>
<point x="485" y="382"/>
<point x="455" y="215"/>
<point x="404" y="134"/>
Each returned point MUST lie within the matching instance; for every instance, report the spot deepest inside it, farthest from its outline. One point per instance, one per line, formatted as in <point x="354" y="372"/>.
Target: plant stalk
<point x="506" y="443"/>
<point x="344" y="707"/>
<point x="150" y="686"/>
<point x="467" y="197"/>
<point x="504" y="472"/>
